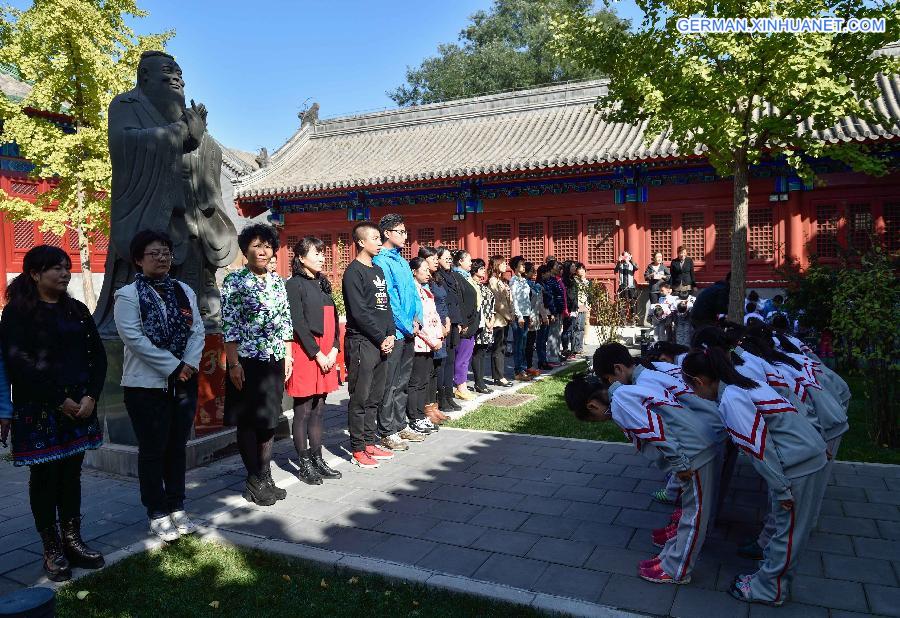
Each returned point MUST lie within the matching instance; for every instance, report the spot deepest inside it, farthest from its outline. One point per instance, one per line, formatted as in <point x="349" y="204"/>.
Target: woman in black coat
<point x="450" y="283"/>
<point x="56" y="366"/>
<point x="682" y="270"/>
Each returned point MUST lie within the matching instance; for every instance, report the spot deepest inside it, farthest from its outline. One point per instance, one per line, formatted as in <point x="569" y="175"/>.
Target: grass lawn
<point x="195" y="578"/>
<point x="548" y="416"/>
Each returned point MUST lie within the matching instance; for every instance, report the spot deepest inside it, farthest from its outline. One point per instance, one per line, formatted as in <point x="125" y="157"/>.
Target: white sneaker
<point x="164" y="528"/>
<point x="427" y="422"/>
<point x="183" y="523"/>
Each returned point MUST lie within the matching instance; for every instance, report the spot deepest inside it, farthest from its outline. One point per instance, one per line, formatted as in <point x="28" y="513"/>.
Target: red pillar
<point x="471" y="242"/>
<point x="633" y="240"/>
<point x="794" y="229"/>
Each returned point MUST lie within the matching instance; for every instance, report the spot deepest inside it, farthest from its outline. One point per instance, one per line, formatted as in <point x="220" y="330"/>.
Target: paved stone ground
<point x="566" y="517"/>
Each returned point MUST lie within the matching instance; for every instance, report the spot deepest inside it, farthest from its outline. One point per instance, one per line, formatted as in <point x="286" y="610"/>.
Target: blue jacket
<point x="405" y="302"/>
<point x="553" y="296"/>
<point x="6" y="410"/>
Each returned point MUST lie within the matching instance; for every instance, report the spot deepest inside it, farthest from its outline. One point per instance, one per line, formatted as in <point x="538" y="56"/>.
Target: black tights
<point x="255" y="446"/>
<point x="55" y="487"/>
<point x="307" y="425"/>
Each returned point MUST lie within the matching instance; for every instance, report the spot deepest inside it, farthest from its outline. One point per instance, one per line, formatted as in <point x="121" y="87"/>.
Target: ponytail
<point x="714" y="337"/>
<point x="667" y="348"/>
<point x="786" y="344"/>
<point x="581" y="390"/>
<point x="759" y="343"/>
<point x="712" y="363"/>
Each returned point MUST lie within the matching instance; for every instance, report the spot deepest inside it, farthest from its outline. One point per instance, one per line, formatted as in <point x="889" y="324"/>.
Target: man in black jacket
<point x="369" y="340"/>
<point x="682" y="270"/>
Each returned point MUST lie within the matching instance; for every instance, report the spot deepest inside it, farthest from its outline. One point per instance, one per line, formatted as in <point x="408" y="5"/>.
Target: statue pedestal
<point x="119" y="451"/>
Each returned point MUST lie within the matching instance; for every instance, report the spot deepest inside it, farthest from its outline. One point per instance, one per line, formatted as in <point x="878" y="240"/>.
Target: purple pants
<point x="463" y="356"/>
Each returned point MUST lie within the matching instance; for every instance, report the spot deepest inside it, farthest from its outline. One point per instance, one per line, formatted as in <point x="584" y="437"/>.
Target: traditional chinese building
<point x="536" y="172"/>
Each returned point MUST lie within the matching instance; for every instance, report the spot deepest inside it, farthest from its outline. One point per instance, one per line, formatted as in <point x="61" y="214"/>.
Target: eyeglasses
<point x="159" y="255"/>
<point x="401" y="232"/>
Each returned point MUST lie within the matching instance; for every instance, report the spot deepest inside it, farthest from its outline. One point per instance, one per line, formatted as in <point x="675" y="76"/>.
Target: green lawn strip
<point x="188" y="577"/>
<point x="548" y="416"/>
<point x="857" y="444"/>
<point x="545" y="416"/>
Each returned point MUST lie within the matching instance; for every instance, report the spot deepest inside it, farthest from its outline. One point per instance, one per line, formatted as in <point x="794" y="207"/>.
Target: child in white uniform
<point x="785" y="450"/>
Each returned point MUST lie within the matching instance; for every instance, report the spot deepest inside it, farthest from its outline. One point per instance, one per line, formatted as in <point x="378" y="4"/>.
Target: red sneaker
<point x="533" y="372"/>
<point x="648" y="564"/>
<point x="676" y="516"/>
<point x="362" y="459"/>
<point x="661" y="536"/>
<point x="376" y="452"/>
<point x="657" y="575"/>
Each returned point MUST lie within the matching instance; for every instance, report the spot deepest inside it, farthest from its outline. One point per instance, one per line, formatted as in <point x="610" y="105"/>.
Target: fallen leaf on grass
<point x="353" y="580"/>
<point x="81" y="595"/>
<point x="415" y="603"/>
<point x="286" y="578"/>
<point x="214" y="605"/>
<point x="323" y="583"/>
<point x="387" y="593"/>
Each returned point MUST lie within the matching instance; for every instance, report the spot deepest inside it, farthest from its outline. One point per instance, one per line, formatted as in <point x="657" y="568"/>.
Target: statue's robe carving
<point x="163" y="180"/>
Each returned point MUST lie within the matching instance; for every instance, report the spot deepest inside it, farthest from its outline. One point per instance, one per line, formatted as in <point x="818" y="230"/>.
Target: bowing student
<point x="784" y="448"/>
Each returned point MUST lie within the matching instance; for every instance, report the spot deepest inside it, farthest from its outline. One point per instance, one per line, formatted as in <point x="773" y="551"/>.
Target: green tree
<point x="502" y="49"/>
<point x="738" y="98"/>
<point x="77" y="55"/>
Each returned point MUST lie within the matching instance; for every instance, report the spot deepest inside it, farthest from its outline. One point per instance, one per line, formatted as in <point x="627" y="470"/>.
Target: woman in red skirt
<point x="315" y="348"/>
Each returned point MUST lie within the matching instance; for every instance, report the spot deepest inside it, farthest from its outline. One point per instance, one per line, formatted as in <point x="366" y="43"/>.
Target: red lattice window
<point x="100" y="242"/>
<point x="23" y="234"/>
<point x="892" y="226"/>
<point x="289" y="243"/>
<point x="860" y="227"/>
<point x="827" y="221"/>
<point x="531" y="241"/>
<point x="425" y="236"/>
<point x="72" y="235"/>
<point x="761" y="235"/>
<point x="601" y="241"/>
<point x="49" y="238"/>
<point x="693" y="234"/>
<point x="498" y="239"/>
<point x="450" y="237"/>
<point x="23" y="188"/>
<point x="565" y="240"/>
<point x="660" y="235"/>
<point x="724" y="222"/>
<point x="343" y="251"/>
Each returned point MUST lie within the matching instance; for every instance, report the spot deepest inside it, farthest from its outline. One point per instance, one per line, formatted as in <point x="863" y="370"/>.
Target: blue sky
<point x="254" y="63"/>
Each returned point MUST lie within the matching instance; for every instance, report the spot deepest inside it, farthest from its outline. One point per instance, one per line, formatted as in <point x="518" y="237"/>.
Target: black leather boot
<point x="56" y="566"/>
<point x="79" y="554"/>
<point x="447" y="402"/>
<point x="258" y="491"/>
<point x="307" y="472"/>
<point x="280" y="494"/>
<point x="324" y="470"/>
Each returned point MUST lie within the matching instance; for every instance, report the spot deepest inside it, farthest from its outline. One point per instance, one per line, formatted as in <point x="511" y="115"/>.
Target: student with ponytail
<point x="613" y="362"/>
<point x="783" y="448"/>
<point x="680" y="443"/>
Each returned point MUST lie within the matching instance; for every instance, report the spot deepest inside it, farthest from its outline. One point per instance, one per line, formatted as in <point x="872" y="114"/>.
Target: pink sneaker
<point x="362" y="459"/>
<point x="658" y="576"/>
<point x="376" y="452"/>
<point x="648" y="564"/>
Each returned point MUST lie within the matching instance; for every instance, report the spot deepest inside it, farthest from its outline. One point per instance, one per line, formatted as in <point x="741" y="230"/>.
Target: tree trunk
<point x="84" y="254"/>
<point x="739" y="237"/>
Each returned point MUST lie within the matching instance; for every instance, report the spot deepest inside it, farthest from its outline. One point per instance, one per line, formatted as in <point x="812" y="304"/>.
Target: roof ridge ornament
<point x="309" y="115"/>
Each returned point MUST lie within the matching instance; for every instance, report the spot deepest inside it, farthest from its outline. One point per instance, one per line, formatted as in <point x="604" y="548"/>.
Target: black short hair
<point x="426" y="251"/>
<point x="778" y="298"/>
<point x="751" y="307"/>
<point x="144" y="239"/>
<point x="581" y="390"/>
<point x="529" y="268"/>
<point x="262" y="231"/>
<point x="514" y="263"/>
<point x="302" y="248"/>
<point x="359" y="227"/>
<point x="780" y="322"/>
<point x="389" y="222"/>
<point x="753" y="295"/>
<point x="458" y="256"/>
<point x="476" y="264"/>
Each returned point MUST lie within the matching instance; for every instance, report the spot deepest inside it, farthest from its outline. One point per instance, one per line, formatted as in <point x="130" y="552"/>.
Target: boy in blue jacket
<point x="407" y="309"/>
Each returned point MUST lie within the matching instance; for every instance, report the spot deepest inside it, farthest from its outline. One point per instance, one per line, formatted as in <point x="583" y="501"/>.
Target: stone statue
<point x="309" y="116"/>
<point x="262" y="159"/>
<point x="165" y="176"/>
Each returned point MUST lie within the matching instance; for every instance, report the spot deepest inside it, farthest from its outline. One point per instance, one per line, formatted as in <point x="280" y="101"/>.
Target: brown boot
<point x="56" y="565"/>
<point x="432" y="413"/>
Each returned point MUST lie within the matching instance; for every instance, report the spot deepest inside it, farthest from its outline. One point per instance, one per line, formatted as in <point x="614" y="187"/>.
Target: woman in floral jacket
<point x="257" y="327"/>
<point x="485" y="337"/>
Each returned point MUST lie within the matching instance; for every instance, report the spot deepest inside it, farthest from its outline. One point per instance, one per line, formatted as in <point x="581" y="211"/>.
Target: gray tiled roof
<point x="11" y="86"/>
<point x="541" y="128"/>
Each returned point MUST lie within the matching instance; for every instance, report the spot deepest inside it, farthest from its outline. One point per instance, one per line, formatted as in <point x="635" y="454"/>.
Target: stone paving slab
<point x="464" y="511"/>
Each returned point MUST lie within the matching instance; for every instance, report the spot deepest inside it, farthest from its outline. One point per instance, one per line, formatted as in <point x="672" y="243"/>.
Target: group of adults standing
<point x="679" y="276"/>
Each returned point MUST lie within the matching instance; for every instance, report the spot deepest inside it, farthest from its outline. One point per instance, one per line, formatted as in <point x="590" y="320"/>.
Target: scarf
<point x="166" y="321"/>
